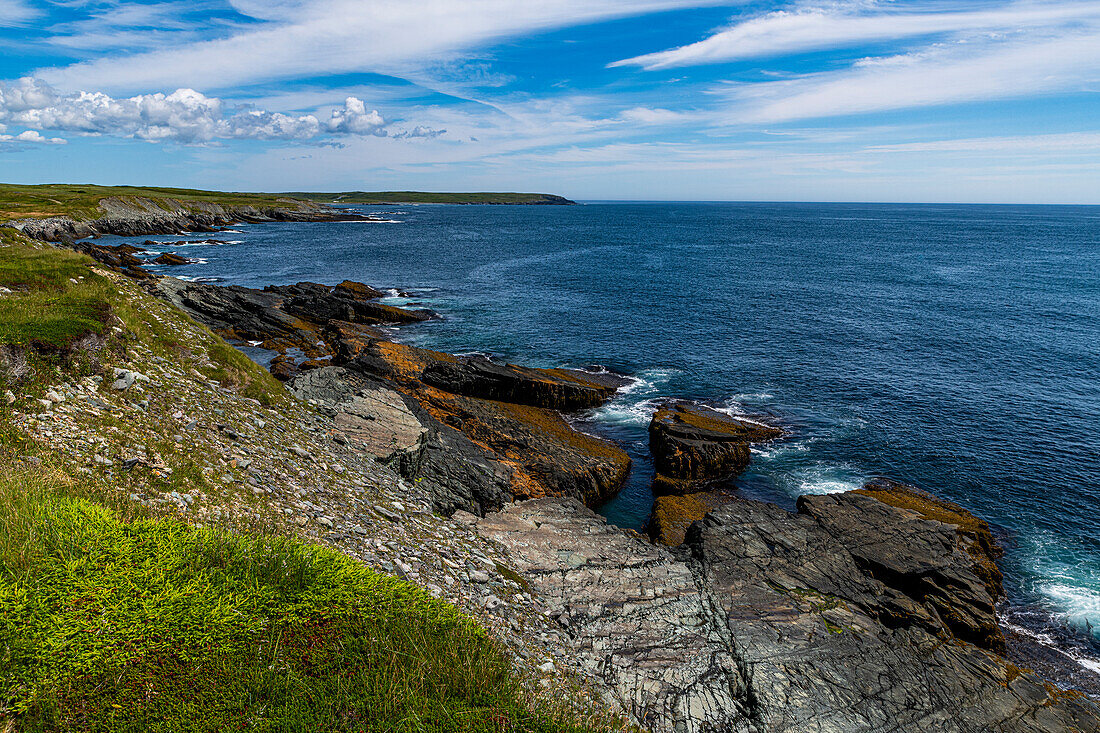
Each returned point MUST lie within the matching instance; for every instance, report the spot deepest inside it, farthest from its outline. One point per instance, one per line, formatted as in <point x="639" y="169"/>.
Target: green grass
<point x="425" y="197"/>
<point x="234" y="369"/>
<point x="111" y="622"/>
<point x="82" y="201"/>
<point x="56" y="298"/>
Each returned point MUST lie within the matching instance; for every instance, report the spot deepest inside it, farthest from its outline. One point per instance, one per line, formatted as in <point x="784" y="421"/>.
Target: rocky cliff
<point x="137" y="215"/>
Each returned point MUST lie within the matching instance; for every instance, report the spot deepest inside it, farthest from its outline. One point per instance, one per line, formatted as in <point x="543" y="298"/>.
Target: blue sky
<point x="863" y="100"/>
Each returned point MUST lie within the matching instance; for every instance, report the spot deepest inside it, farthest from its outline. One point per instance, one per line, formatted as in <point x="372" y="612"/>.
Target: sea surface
<point x="953" y="347"/>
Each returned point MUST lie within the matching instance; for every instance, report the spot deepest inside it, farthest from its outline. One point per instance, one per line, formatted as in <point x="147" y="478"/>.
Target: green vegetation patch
<point x="82" y="201"/>
<point x="56" y="299"/>
<point x="116" y="624"/>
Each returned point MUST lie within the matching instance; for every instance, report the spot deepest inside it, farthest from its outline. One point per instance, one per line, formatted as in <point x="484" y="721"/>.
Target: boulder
<point x="169" y="258"/>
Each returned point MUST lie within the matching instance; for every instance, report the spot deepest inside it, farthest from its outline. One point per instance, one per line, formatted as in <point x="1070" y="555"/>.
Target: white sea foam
<point x="823" y="478"/>
<point x="1090" y="663"/>
<point x="637" y="400"/>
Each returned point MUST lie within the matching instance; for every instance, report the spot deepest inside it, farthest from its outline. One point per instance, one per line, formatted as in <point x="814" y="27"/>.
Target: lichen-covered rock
<point x="673" y="513"/>
<point x="692" y="444"/>
<point x="558" y="389"/>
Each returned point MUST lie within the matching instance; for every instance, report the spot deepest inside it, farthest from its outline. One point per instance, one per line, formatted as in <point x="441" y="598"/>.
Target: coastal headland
<point x="869" y="610"/>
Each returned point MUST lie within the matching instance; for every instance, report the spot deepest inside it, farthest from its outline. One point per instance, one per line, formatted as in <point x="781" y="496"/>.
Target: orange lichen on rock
<point x="672" y="515"/>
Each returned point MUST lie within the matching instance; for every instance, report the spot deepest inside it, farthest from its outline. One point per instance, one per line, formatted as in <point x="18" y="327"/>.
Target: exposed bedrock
<point x="559" y="389"/>
<point x="693" y="446"/>
<point x="637" y="620"/>
<point x="132" y="216"/>
<point x="534" y="447"/>
<point x="319" y="320"/>
<point x="767" y="620"/>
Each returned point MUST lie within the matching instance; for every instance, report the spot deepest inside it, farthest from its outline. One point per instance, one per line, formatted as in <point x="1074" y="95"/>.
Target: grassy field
<point x="117" y="622"/>
<point x="55" y="298"/>
<point x="82" y="201"/>
<point x="424" y="197"/>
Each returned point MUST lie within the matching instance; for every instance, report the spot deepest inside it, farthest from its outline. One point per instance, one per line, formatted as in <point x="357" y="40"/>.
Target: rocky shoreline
<point x="141" y="216"/>
<point x="872" y="610"/>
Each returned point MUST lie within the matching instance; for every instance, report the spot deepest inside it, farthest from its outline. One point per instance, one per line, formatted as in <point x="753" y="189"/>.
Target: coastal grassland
<point x="82" y="201"/>
<point x="427" y="197"/>
<point x="113" y="621"/>
<point x="55" y="299"/>
<point x="59" y="298"/>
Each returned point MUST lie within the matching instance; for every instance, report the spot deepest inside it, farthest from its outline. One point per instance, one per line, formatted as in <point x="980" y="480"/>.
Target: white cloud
<point x="942" y="74"/>
<point x="652" y="116"/>
<point x="814" y="29"/>
<point x="420" y="131"/>
<point x="16" y="12"/>
<point x="355" y="119"/>
<point x="31" y="137"/>
<point x="298" y="38"/>
<point x="184" y="116"/>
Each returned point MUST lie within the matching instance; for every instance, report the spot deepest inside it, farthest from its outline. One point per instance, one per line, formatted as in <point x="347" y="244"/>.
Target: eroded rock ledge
<point x="771" y="621"/>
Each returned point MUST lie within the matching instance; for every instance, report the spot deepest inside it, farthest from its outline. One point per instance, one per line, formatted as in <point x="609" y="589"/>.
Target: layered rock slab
<point x="830" y="647"/>
<point x="636" y="619"/>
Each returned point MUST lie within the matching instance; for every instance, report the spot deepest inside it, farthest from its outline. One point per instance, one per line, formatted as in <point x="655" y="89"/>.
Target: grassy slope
<point x="82" y="201"/>
<point x="114" y="619"/>
<point x="422" y="197"/>
<point x="111" y="622"/>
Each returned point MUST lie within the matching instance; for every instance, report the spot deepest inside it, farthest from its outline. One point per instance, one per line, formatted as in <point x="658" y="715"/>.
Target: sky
<point x="811" y="100"/>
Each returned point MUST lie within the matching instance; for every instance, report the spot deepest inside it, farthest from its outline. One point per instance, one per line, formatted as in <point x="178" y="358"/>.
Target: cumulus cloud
<point x="30" y="137"/>
<point x="355" y="119"/>
<point x="420" y="131"/>
<point x="184" y="116"/>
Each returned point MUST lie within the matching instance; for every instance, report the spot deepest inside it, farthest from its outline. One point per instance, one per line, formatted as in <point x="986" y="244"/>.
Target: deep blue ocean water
<point x="953" y="347"/>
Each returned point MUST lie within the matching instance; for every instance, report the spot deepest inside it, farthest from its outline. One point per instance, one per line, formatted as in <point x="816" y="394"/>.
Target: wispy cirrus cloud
<point x="297" y="38"/>
<point x="16" y="12"/>
<point x="940" y="74"/>
<point x="852" y="24"/>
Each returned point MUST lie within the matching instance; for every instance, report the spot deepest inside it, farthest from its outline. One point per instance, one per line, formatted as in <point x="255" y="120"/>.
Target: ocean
<point x="953" y="347"/>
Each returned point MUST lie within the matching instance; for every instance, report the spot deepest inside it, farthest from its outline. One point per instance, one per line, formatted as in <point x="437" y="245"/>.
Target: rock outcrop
<point x="133" y="216"/>
<point x="558" y="389"/>
<point x="767" y="620"/>
<point x="637" y="621"/>
<point x="318" y="320"/>
<point x="693" y="445"/>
